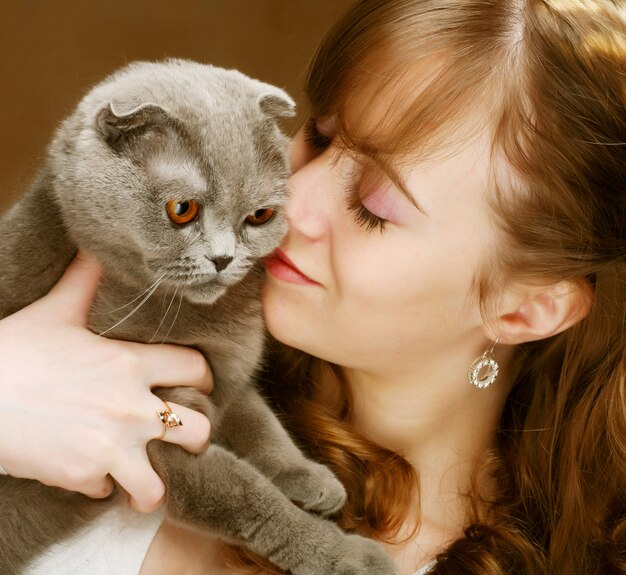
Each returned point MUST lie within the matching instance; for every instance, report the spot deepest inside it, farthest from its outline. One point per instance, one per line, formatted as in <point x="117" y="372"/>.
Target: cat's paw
<point x="313" y="487"/>
<point x="352" y="555"/>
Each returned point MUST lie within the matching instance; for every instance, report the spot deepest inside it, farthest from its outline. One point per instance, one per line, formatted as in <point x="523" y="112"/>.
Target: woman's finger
<point x="73" y="294"/>
<point x="136" y="476"/>
<point x="169" y="365"/>
<point x="193" y="435"/>
<point x="98" y="489"/>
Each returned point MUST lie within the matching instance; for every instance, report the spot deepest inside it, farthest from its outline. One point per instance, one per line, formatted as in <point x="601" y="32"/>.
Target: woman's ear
<point x="543" y="312"/>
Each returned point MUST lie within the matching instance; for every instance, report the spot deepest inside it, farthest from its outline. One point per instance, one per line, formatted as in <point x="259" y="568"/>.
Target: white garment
<point x="114" y="543"/>
<point x="426" y="568"/>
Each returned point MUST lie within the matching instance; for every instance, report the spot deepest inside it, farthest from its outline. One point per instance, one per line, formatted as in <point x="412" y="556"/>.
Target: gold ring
<point x="168" y="419"/>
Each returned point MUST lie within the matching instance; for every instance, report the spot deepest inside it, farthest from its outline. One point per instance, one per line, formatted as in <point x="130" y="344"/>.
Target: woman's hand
<point x="76" y="409"/>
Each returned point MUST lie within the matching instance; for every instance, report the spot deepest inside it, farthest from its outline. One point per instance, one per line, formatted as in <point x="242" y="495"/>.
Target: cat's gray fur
<point x="150" y="133"/>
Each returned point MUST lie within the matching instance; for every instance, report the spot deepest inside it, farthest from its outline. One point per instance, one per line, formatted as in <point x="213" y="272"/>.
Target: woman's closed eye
<point x="375" y="201"/>
<point x="363" y="216"/>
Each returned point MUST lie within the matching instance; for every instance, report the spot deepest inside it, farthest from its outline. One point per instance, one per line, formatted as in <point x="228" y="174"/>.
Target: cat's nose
<point x="221" y="262"/>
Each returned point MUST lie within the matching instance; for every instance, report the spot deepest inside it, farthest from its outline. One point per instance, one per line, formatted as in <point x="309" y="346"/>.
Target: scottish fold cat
<point x="173" y="175"/>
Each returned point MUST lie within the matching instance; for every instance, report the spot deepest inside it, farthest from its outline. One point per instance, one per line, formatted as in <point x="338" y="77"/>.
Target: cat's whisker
<point x="141" y="294"/>
<point x="180" y="301"/>
<point x="128" y="315"/>
<point x="165" y="315"/>
<point x="167" y="293"/>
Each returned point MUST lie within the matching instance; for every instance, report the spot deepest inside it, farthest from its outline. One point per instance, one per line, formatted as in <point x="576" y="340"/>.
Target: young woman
<point x="450" y="297"/>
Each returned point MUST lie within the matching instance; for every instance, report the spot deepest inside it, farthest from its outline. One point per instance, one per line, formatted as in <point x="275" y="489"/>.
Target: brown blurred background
<point x="51" y="52"/>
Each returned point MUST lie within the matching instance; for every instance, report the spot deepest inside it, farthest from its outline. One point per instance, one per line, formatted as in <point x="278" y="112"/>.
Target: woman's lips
<point x="281" y="267"/>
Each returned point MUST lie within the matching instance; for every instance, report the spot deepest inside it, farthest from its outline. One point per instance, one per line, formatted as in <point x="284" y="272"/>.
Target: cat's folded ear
<point x="116" y="127"/>
<point x="277" y="104"/>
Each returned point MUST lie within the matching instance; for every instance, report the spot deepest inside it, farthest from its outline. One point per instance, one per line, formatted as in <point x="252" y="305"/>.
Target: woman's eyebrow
<point x="373" y="153"/>
<point x="398" y="181"/>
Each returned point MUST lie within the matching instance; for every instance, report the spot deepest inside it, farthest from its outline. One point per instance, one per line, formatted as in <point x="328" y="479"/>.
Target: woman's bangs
<point x="405" y="99"/>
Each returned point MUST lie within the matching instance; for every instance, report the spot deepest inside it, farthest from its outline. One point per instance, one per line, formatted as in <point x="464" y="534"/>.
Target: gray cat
<point x="173" y="175"/>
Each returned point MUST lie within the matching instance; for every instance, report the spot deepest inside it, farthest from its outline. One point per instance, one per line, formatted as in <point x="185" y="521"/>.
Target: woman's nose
<point x="308" y="208"/>
<point x="310" y="189"/>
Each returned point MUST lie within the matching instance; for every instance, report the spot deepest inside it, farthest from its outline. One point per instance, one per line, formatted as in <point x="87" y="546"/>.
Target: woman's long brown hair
<point x="548" y="80"/>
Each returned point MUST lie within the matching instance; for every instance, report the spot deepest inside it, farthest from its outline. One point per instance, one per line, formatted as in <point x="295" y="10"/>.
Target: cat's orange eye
<point x="182" y="212"/>
<point x="260" y="217"/>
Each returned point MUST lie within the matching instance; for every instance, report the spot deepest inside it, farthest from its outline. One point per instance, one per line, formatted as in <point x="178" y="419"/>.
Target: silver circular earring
<point x="485" y="364"/>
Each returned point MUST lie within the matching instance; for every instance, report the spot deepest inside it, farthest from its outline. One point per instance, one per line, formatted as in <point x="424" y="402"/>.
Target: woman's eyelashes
<point x="362" y="215"/>
<point x="366" y="198"/>
<point x="375" y="200"/>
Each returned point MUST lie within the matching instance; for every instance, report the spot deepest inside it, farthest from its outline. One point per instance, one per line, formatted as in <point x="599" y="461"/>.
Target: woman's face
<point x="381" y="285"/>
